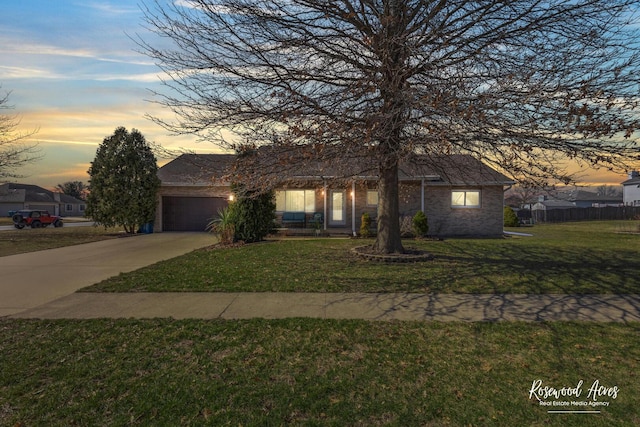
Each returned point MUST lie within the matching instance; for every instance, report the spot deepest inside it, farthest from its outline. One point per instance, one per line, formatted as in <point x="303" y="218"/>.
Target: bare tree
<point x="609" y="191"/>
<point x="522" y="85"/>
<point x="523" y="195"/>
<point x="76" y="189"/>
<point x="14" y="153"/>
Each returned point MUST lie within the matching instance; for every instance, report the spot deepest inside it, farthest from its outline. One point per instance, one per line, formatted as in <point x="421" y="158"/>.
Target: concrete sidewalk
<point x="421" y="307"/>
<point x="32" y="279"/>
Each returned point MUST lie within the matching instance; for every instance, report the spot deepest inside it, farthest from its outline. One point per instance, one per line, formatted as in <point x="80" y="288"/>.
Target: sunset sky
<point x="73" y="74"/>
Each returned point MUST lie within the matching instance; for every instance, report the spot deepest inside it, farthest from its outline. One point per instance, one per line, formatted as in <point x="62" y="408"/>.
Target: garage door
<point x="189" y="213"/>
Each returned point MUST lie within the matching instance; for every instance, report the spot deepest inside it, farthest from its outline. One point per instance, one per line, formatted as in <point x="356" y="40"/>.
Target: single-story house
<point x="15" y="197"/>
<point x="461" y="197"/>
<point x="631" y="189"/>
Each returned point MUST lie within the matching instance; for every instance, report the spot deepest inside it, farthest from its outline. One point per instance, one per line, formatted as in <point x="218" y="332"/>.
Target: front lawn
<point x="311" y="372"/>
<point x="574" y="258"/>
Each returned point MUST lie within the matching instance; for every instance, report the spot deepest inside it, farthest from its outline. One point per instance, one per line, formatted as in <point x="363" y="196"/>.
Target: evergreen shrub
<point x="420" y="224"/>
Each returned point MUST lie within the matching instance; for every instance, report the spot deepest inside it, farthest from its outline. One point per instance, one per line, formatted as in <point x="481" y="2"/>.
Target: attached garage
<point x="189" y="213"/>
<point x="192" y="192"/>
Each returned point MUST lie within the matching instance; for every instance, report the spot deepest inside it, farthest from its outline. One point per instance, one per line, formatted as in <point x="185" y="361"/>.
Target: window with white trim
<point x="295" y="200"/>
<point x="465" y="198"/>
<point x="69" y="207"/>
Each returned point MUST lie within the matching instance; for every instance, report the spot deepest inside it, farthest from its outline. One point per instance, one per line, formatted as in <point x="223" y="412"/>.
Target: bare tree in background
<point x="521" y="85"/>
<point x="77" y="189"/>
<point x="14" y="153"/>
<point x="523" y="195"/>
<point x="609" y="191"/>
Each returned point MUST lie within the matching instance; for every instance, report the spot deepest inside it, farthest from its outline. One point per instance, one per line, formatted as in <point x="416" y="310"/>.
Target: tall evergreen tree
<point x="253" y="214"/>
<point x="124" y="181"/>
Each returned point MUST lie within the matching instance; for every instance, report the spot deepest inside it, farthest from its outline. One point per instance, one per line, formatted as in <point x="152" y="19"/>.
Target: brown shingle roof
<point x="196" y="169"/>
<point x="203" y="169"/>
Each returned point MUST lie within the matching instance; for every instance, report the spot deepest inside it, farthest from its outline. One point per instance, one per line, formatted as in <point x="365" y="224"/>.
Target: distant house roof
<point x="65" y="198"/>
<point x="28" y="193"/>
<point x="10" y="195"/>
<point x="203" y="169"/>
<point x="632" y="181"/>
<point x="588" y="196"/>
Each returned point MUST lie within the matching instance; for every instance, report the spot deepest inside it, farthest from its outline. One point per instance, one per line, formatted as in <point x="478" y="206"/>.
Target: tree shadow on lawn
<point x="538" y="270"/>
<point x="486" y="307"/>
<point x="481" y="267"/>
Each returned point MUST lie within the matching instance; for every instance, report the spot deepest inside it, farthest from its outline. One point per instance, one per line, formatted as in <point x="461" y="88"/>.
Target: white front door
<point x="337" y="208"/>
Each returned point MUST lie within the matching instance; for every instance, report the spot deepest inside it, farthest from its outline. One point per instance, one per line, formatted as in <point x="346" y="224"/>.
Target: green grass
<point x="29" y="240"/>
<point x="309" y="372"/>
<point x="588" y="257"/>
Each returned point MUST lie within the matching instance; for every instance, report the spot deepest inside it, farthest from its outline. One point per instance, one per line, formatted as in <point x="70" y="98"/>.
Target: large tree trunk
<point x="388" y="237"/>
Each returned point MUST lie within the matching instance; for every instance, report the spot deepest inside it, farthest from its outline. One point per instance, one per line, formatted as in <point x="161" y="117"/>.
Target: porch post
<point x="324" y="195"/>
<point x="422" y="195"/>
<point x="353" y="207"/>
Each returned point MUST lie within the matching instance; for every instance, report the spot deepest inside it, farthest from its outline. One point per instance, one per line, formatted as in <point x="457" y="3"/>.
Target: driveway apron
<point x="32" y="279"/>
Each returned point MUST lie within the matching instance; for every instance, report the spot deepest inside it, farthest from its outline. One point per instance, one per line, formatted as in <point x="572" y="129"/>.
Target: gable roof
<point x="632" y="181"/>
<point x="206" y="169"/>
<point x="456" y="169"/>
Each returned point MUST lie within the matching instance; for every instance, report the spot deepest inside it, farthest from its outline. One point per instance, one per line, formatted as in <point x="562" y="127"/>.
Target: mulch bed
<point x="409" y="255"/>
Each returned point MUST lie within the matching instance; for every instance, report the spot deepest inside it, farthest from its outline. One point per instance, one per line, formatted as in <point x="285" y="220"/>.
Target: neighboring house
<point x="539" y="210"/>
<point x="545" y="204"/>
<point x="631" y="189"/>
<point x="588" y="199"/>
<point x="15" y="197"/>
<point x="461" y="196"/>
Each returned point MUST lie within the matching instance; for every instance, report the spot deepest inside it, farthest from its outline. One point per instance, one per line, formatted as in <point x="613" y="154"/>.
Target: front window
<point x="69" y="207"/>
<point x="296" y="200"/>
<point x="465" y="198"/>
<point x="372" y="197"/>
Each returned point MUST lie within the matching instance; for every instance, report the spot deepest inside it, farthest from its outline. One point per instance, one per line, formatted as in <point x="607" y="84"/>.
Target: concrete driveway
<point x="32" y="279"/>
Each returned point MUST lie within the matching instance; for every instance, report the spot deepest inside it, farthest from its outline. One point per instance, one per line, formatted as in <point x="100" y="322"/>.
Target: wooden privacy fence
<point x="587" y="214"/>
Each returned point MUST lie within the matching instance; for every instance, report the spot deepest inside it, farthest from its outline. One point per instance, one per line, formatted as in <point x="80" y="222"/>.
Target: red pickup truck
<point x="35" y="219"/>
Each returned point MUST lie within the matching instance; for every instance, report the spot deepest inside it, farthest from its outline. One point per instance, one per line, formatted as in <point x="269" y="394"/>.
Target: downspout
<point x="422" y="195"/>
<point x="324" y="192"/>
<point x="353" y="208"/>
